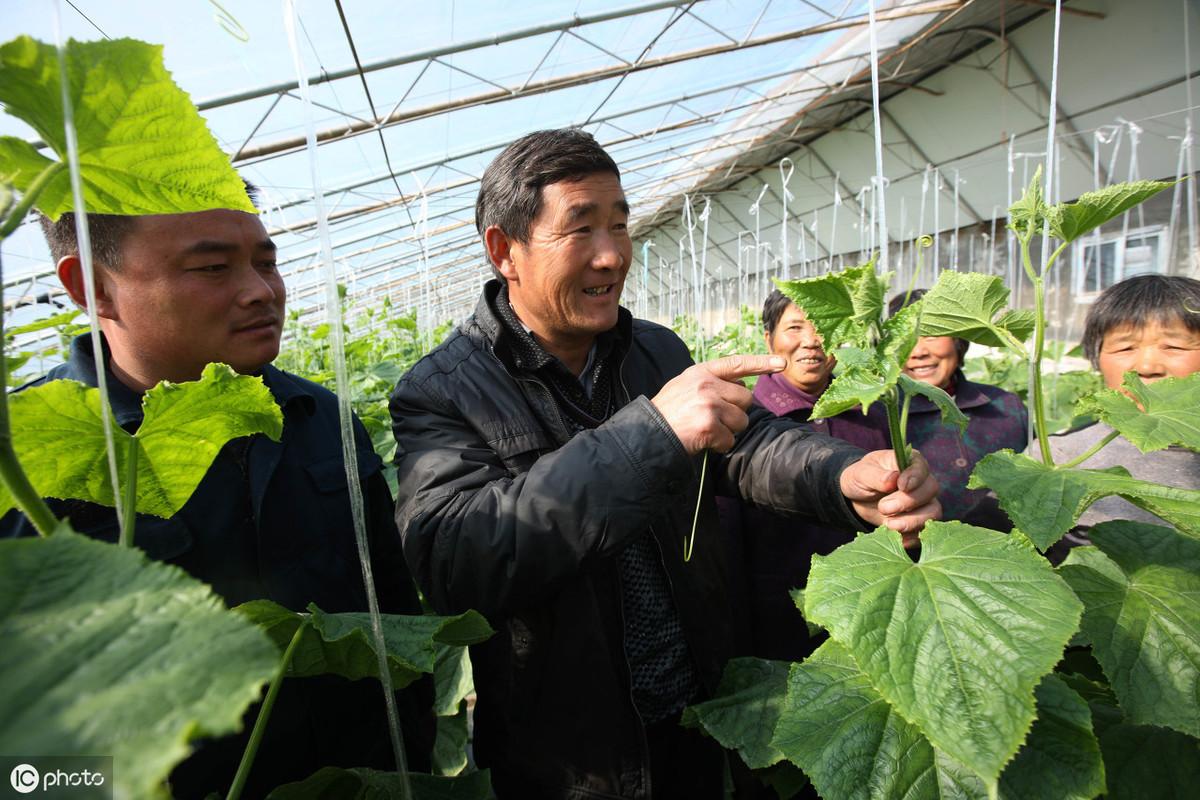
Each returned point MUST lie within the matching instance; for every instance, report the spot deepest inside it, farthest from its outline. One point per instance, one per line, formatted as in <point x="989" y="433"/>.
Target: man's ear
<point x="500" y="252"/>
<point x="70" y="273"/>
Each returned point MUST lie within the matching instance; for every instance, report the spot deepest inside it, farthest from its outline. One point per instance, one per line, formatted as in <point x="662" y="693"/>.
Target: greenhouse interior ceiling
<point x="743" y="129"/>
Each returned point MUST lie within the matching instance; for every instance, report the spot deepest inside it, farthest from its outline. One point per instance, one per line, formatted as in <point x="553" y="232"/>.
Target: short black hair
<point x="903" y="299"/>
<point x="777" y="302"/>
<point x="510" y="193"/>
<point x="106" y="231"/>
<point x="1138" y="300"/>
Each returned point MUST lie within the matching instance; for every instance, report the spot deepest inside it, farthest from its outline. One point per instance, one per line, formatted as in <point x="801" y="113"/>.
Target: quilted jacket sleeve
<point x="478" y="536"/>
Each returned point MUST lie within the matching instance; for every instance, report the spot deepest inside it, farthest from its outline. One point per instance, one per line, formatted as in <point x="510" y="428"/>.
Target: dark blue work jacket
<point x="271" y="520"/>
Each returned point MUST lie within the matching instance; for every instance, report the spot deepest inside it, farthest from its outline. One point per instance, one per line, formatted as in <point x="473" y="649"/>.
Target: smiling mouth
<point x="597" y="291"/>
<point x="810" y="361"/>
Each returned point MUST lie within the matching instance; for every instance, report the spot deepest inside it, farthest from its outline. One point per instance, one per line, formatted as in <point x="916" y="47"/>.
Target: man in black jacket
<point x="270" y="520"/>
<point x="549" y="455"/>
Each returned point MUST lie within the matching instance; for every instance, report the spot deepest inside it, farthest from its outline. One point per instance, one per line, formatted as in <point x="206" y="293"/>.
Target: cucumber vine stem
<point x="896" y="429"/>
<point x="12" y="474"/>
<point x="129" y="509"/>
<point x="1039" y="343"/>
<point x="264" y="713"/>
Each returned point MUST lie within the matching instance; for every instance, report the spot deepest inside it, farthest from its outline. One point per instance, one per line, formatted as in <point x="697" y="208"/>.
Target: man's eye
<point x="585" y="229"/>
<point x="271" y="265"/>
<point x="209" y="268"/>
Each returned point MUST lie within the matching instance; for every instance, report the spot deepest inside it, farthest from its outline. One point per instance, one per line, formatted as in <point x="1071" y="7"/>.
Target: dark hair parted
<point x="1138" y="300"/>
<point x="510" y="193"/>
<point x="777" y="302"/>
<point x="898" y="302"/>
<point x="107" y="233"/>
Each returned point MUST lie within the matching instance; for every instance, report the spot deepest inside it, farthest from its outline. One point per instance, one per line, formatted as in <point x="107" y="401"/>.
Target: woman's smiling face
<point x="933" y="361"/>
<point x="794" y="337"/>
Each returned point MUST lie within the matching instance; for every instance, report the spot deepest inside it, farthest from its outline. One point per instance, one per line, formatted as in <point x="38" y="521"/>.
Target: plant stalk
<point x="13" y="476"/>
<point x="129" y="508"/>
<point x="22" y="206"/>
<point x="896" y="429"/>
<point x="264" y="713"/>
<point x="1091" y="451"/>
<point x="1035" y="364"/>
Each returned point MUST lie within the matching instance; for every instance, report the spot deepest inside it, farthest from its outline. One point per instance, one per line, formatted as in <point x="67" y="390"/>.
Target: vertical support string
<point x="879" y="181"/>
<point x="349" y="451"/>
<point x="83" y="237"/>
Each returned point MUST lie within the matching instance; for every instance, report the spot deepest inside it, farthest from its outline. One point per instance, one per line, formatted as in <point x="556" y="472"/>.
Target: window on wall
<point x="1110" y="258"/>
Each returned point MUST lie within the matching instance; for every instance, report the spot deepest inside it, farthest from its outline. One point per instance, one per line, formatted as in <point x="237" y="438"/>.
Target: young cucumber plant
<point x="106" y="651"/>
<point x="947" y="677"/>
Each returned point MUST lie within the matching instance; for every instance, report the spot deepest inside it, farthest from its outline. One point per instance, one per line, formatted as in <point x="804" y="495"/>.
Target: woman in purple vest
<point x="776" y="551"/>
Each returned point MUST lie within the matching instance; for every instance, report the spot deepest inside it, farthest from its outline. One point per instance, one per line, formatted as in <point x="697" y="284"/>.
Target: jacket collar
<point x="498" y="337"/>
<point x="774" y="393"/>
<point x="127" y="403"/>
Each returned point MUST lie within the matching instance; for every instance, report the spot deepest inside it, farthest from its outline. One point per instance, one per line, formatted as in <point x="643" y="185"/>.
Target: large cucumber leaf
<point x="1141" y="596"/>
<point x="59" y="437"/>
<point x="1044" y="502"/>
<point x="108" y="652"/>
<point x="143" y="147"/>
<point x="1069" y="221"/>
<point x="956" y="642"/>
<point x="369" y="784"/>
<point x="743" y="713"/>
<point x="1154" y="415"/>
<point x="846" y="737"/>
<point x="973" y="306"/>
<point x="842" y="306"/>
<point x="1146" y="763"/>
<point x="342" y="644"/>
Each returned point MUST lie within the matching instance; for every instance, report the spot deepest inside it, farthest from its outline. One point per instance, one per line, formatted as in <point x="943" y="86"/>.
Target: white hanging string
<point x="837" y="202"/>
<point x="879" y="180"/>
<point x="1051" y="128"/>
<point x="83" y="238"/>
<point x="754" y="211"/>
<point x="349" y="451"/>
<point x="784" y="179"/>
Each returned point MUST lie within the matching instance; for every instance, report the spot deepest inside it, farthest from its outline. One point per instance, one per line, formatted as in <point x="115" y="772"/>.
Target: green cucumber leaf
<point x="342" y="644"/>
<point x="1152" y="416"/>
<point x="450" y="745"/>
<point x="1069" y="221"/>
<point x="1044" y="502"/>
<point x="951" y="415"/>
<point x="852" y="388"/>
<point x="143" y="147"/>
<point x="453" y="678"/>
<point x="839" y="729"/>
<point x="108" y="652"/>
<point x="59" y="437"/>
<point x="743" y="712"/>
<point x="842" y="306"/>
<point x="956" y="642"/>
<point x="370" y="784"/>
<point x="971" y="306"/>
<point x="900" y="336"/>
<point x="1061" y="758"/>
<point x="1140" y="587"/>
<point x="1026" y="215"/>
<point x="1146" y="763"/>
